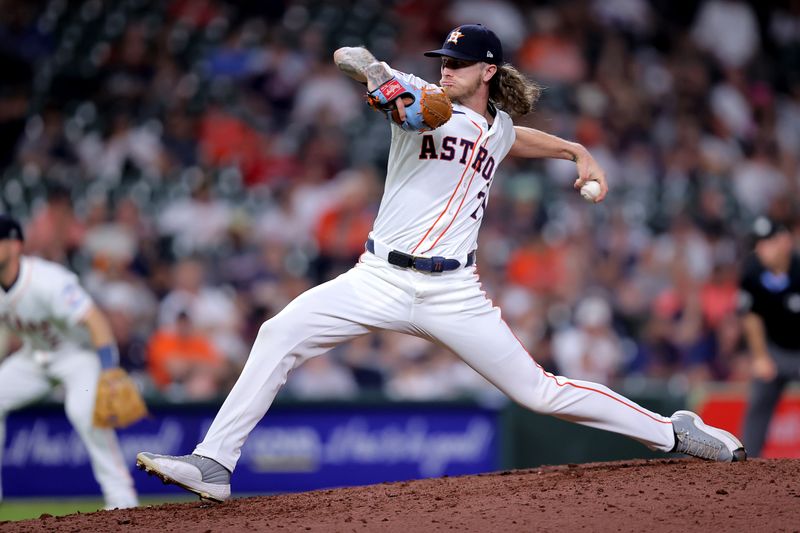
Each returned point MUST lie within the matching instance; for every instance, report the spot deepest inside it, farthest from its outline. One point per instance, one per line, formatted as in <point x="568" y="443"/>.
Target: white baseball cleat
<point x="195" y="473"/>
<point x="693" y="437"/>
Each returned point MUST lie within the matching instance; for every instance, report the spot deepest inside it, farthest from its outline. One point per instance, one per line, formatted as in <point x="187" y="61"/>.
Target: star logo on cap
<point x="454" y="36"/>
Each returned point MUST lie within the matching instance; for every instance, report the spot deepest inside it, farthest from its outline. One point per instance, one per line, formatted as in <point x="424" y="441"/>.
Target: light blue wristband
<point x="109" y="356"/>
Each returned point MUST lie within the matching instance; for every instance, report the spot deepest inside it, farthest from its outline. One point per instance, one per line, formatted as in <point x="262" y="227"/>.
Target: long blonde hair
<point x="512" y="92"/>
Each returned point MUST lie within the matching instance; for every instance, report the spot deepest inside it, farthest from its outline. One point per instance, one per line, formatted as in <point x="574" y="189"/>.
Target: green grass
<point x="23" y="509"/>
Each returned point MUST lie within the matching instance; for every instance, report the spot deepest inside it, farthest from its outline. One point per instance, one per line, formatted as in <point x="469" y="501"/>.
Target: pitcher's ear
<point x="489" y="72"/>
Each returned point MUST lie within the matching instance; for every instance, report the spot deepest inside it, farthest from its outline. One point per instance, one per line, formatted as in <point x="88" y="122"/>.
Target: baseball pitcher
<point x="43" y="304"/>
<point x="418" y="273"/>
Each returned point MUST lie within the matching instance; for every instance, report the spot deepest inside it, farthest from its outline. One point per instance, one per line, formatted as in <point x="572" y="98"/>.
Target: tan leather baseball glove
<point x="118" y="403"/>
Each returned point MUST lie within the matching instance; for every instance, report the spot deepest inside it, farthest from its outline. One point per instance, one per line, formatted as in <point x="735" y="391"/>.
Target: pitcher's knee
<point x="264" y="330"/>
<point x="278" y="339"/>
<point x="271" y="336"/>
<point x="280" y="328"/>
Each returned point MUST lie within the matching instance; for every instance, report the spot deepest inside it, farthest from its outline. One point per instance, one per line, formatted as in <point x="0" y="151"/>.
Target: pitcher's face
<point x="460" y="78"/>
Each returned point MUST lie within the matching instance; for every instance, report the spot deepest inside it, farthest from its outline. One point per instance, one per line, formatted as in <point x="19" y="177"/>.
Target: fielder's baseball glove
<point x="429" y="109"/>
<point x="118" y="403"/>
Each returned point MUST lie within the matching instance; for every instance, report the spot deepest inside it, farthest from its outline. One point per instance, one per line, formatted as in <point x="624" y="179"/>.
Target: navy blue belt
<point x="425" y="264"/>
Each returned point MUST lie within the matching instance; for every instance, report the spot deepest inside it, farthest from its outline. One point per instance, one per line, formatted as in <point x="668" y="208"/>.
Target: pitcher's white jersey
<point x="438" y="182"/>
<point x="45" y="305"/>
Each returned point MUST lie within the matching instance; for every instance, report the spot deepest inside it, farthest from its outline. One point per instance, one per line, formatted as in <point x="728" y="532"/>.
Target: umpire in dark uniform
<point x="769" y="302"/>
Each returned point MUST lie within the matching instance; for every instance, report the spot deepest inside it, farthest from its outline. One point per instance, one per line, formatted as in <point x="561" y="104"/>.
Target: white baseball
<point x="590" y="191"/>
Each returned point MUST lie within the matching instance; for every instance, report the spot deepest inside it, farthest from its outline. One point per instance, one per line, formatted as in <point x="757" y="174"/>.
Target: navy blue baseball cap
<point x="10" y="228"/>
<point x="471" y="42"/>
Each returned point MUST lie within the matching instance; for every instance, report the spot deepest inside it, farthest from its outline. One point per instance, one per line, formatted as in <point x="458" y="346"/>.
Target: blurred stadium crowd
<point x="200" y="163"/>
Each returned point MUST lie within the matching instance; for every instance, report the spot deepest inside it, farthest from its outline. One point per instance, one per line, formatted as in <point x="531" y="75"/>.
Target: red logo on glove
<point x="391" y="89"/>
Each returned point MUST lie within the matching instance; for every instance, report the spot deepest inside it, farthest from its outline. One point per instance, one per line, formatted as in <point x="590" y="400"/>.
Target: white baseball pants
<point x="450" y="309"/>
<point x="24" y="379"/>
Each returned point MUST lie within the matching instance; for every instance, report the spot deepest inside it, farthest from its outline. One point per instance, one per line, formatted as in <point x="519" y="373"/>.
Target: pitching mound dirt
<point x="656" y="495"/>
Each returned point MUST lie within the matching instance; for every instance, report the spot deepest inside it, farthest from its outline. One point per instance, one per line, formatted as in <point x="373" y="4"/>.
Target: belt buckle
<point x="400" y="259"/>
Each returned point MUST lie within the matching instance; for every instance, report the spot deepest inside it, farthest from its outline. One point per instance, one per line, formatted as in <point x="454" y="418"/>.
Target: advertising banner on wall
<point x="292" y="449"/>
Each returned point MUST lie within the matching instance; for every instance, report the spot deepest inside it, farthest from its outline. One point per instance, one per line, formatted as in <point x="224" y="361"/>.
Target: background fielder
<point x="419" y="277"/>
<point x="44" y="304"/>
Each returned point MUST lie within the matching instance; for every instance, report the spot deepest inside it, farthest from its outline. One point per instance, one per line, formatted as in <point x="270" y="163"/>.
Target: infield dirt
<point x="654" y="495"/>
